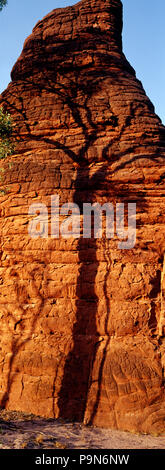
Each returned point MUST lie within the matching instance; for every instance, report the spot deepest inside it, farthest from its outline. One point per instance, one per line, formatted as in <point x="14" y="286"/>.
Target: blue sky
<point x="143" y="40"/>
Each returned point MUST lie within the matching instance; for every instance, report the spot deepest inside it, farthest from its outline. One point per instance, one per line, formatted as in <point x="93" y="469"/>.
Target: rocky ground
<point x="22" y="431"/>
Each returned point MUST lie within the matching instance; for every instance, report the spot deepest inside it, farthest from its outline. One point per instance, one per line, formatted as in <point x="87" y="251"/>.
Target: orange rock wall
<point x="82" y="322"/>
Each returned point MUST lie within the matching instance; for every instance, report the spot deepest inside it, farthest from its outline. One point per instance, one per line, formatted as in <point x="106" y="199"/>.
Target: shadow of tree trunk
<point x="74" y="389"/>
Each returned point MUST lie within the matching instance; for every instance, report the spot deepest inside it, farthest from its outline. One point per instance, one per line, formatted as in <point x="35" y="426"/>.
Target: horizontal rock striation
<point x="82" y="321"/>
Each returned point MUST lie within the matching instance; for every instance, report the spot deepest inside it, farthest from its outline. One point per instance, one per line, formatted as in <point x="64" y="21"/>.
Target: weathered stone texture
<point x="82" y="322"/>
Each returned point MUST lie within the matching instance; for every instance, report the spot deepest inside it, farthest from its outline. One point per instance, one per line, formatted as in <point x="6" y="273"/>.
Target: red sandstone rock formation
<point x="82" y="322"/>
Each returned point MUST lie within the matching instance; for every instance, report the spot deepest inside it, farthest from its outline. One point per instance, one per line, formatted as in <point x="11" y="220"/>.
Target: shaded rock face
<point x="82" y="321"/>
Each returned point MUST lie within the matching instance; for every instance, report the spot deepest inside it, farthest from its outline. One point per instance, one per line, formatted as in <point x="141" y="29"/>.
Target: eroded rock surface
<point x="82" y="321"/>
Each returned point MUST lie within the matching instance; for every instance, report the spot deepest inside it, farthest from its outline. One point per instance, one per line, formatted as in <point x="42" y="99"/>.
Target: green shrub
<point x="3" y="3"/>
<point x="6" y="130"/>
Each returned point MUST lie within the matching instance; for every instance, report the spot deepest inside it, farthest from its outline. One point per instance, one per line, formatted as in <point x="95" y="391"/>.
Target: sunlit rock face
<point x="82" y="319"/>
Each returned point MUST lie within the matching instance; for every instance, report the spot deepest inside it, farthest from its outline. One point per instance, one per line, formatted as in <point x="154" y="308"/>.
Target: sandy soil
<point x="21" y="431"/>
